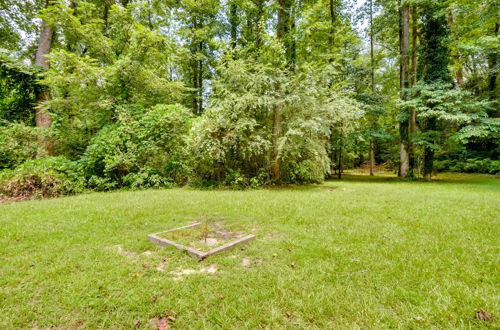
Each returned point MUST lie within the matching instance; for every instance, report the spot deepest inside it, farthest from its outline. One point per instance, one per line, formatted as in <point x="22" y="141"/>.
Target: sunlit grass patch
<point x="370" y="253"/>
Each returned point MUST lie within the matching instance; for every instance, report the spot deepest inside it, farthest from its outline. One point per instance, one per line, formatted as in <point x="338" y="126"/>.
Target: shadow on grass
<point x="462" y="178"/>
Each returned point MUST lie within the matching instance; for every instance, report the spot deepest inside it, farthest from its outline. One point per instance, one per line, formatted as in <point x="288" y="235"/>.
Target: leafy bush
<point x="233" y="142"/>
<point x="43" y="177"/>
<point x="18" y="143"/>
<point x="144" y="148"/>
<point x="472" y="165"/>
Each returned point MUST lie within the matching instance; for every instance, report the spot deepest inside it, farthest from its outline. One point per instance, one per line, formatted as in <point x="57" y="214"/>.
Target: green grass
<point x="216" y="229"/>
<point x="367" y="253"/>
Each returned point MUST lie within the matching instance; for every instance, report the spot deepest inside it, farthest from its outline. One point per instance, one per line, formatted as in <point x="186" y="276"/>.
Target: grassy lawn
<point x="371" y="253"/>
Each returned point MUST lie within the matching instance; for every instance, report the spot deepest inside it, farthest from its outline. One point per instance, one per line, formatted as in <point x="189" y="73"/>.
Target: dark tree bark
<point x="372" y="74"/>
<point x="233" y="21"/>
<point x="493" y="68"/>
<point x="105" y="16"/>
<point x="413" y="114"/>
<point x="433" y="67"/>
<point x="333" y="21"/>
<point x="197" y="67"/>
<point x="404" y="84"/>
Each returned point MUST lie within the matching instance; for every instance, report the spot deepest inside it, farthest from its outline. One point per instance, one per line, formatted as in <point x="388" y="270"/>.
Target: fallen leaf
<point x="221" y="296"/>
<point x="154" y="298"/>
<point x="135" y="275"/>
<point x="288" y="314"/>
<point x="293" y="264"/>
<point x="483" y="315"/>
<point x="137" y="324"/>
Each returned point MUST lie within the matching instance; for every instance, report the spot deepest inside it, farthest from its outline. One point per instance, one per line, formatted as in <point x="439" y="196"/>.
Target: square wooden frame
<point x="156" y="239"/>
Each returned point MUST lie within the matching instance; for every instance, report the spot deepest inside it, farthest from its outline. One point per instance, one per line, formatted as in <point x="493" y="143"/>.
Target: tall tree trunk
<point x="372" y="74"/>
<point x="275" y="160"/>
<point x="459" y="74"/>
<point x="333" y="18"/>
<point x="434" y="63"/>
<point x="197" y="70"/>
<point x="150" y="15"/>
<point x="292" y="52"/>
<point x="200" y="81"/>
<point x="282" y="32"/>
<point x="233" y="21"/>
<point x="105" y="16"/>
<point x="429" y="152"/>
<point x="413" y="114"/>
<point x="341" y="146"/>
<point x="493" y="68"/>
<point x="194" y="72"/>
<point x="259" y="30"/>
<point x="404" y="84"/>
<point x="42" y="117"/>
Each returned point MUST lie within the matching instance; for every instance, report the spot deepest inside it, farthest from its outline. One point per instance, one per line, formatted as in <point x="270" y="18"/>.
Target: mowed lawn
<point x="357" y="253"/>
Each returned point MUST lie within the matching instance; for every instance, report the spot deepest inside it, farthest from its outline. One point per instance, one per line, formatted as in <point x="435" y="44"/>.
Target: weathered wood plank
<point x="230" y="245"/>
<point x="154" y="238"/>
<point x="165" y="242"/>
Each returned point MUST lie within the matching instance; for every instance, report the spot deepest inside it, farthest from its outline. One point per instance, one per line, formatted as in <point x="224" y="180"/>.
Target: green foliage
<point x="235" y="134"/>
<point x="104" y="68"/>
<point x="144" y="148"/>
<point x="471" y="165"/>
<point x="434" y="58"/>
<point x="458" y="116"/>
<point x="17" y="90"/>
<point x="43" y="177"/>
<point x="18" y="143"/>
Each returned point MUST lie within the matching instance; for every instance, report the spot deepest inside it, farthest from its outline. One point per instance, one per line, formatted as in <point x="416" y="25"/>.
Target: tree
<point x="404" y="85"/>
<point x="42" y="116"/>
<point x="434" y="61"/>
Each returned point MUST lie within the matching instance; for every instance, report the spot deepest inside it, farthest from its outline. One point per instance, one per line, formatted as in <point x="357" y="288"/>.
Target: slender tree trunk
<point x="372" y="74"/>
<point x="333" y="18"/>
<point x="404" y="124"/>
<point x="150" y="14"/>
<point x="194" y="69"/>
<point x="429" y="152"/>
<point x="42" y="117"/>
<point x="275" y="161"/>
<point x="413" y="114"/>
<point x="292" y="57"/>
<point x="105" y="15"/>
<point x="233" y="21"/>
<point x="372" y="158"/>
<point x="200" y="82"/>
<point x="282" y="31"/>
<point x="459" y="74"/>
<point x="493" y="68"/>
<point x="340" y="160"/>
<point x="259" y="23"/>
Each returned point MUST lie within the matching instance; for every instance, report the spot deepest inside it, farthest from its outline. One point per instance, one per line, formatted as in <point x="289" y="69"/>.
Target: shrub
<point x="44" y="177"/>
<point x="18" y="143"/>
<point x="144" y="148"/>
<point x="234" y="141"/>
<point x="471" y="165"/>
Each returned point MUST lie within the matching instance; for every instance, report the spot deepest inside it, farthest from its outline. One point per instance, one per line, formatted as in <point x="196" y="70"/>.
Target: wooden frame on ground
<point x="154" y="238"/>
